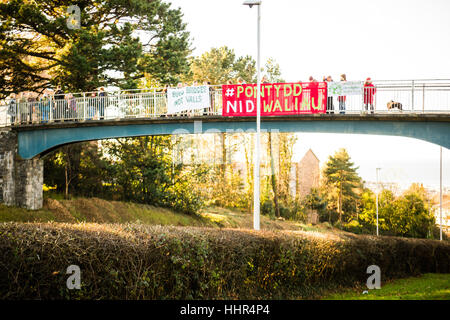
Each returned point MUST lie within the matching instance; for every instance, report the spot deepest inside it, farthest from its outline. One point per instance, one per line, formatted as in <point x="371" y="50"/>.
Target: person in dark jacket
<point x="102" y="96"/>
<point x="59" y="106"/>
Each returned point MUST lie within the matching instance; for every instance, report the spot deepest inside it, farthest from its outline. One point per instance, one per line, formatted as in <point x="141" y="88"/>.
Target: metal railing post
<point x="84" y="106"/>
<point x="412" y="95"/>
<point x="423" y="98"/>
<point x="119" y="103"/>
<point x="154" y="102"/>
<point x="51" y="109"/>
<point x="362" y="99"/>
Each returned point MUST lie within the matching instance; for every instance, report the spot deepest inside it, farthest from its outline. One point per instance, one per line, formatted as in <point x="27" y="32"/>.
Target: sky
<point x="383" y="39"/>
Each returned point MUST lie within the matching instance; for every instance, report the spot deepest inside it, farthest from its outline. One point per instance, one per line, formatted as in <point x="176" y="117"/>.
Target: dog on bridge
<point x="394" y="105"/>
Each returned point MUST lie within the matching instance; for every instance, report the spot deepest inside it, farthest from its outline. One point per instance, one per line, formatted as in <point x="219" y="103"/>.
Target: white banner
<point x="348" y="88"/>
<point x="187" y="98"/>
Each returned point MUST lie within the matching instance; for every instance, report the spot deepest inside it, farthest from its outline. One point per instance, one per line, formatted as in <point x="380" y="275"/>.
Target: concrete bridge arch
<point x="21" y="169"/>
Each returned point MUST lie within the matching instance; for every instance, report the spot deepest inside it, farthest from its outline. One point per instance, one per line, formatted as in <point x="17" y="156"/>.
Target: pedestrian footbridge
<point x="34" y="128"/>
<point x="34" y="140"/>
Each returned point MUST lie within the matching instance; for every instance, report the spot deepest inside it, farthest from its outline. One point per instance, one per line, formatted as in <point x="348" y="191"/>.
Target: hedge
<point x="132" y="261"/>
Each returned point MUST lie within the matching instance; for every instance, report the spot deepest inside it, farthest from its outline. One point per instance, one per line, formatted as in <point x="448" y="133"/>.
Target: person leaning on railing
<point x="44" y="108"/>
<point x="58" y="106"/>
<point x="211" y="98"/>
<point x="330" y="106"/>
<point x="72" y="107"/>
<point x="103" y="103"/>
<point x="23" y="107"/>
<point x="369" y="93"/>
<point x="341" y="99"/>
<point x="32" y="107"/>
<point x="66" y="110"/>
<point x="12" y="108"/>
<point x="91" y="107"/>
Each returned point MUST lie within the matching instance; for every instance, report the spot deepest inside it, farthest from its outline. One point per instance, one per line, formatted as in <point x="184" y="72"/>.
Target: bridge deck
<point x="395" y="116"/>
<point x="36" y="139"/>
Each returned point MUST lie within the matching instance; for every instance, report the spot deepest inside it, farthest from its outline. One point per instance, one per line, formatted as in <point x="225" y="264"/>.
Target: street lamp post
<point x="378" y="169"/>
<point x="440" y="196"/>
<point x="256" y="192"/>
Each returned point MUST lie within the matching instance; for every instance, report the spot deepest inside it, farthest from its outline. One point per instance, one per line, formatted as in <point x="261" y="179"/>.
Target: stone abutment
<point x="20" y="180"/>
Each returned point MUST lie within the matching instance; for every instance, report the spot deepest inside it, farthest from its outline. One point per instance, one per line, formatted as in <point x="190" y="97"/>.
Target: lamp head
<point x="252" y="3"/>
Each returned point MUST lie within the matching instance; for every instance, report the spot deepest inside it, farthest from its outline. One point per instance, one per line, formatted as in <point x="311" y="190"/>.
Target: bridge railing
<point x="416" y="96"/>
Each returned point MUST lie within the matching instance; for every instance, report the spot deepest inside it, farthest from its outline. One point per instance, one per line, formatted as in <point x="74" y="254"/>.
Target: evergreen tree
<point x="38" y="49"/>
<point x="342" y="182"/>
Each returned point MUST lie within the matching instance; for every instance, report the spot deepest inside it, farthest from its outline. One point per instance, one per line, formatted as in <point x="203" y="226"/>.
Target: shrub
<point x="353" y="226"/>
<point x="154" y="262"/>
<point x="267" y="208"/>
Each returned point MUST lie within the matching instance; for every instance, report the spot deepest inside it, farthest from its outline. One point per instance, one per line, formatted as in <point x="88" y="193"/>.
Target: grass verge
<point x="103" y="211"/>
<point x="431" y="286"/>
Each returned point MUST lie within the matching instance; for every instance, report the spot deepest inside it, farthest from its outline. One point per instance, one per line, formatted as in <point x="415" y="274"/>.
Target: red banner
<point x="276" y="99"/>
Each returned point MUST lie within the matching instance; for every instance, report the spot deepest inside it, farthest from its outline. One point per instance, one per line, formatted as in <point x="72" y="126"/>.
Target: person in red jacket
<point x="369" y="93"/>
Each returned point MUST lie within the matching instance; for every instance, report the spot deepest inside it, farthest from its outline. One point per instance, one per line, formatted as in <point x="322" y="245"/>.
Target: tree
<point x="38" y="50"/>
<point x="316" y="201"/>
<point x="286" y="143"/>
<point x="61" y="167"/>
<point x="219" y="65"/>
<point x="75" y="169"/>
<point x="272" y="71"/>
<point x="342" y="180"/>
<point x="273" y="178"/>
<point x="407" y="215"/>
<point x="142" y="170"/>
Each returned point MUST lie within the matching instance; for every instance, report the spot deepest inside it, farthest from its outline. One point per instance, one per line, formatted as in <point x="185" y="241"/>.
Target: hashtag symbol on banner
<point x="229" y="92"/>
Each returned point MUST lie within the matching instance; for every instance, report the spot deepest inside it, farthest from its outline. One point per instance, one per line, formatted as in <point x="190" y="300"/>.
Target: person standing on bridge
<point x="66" y="111"/>
<point x="12" y="107"/>
<point x="369" y="93"/>
<point x="72" y="107"/>
<point x="32" y="107"/>
<point x="330" y="106"/>
<point x="91" y="106"/>
<point x="211" y="97"/>
<point x="58" y="106"/>
<point x="102" y="96"/>
<point x="23" y="107"/>
<point x="44" y="108"/>
<point x="342" y="99"/>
